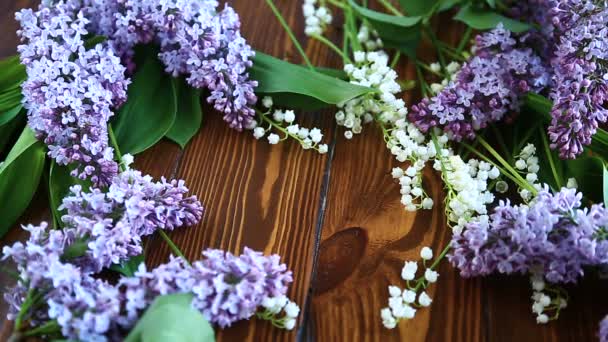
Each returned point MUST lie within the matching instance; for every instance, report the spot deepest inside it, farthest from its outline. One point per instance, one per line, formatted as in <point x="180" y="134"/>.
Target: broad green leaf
<point x="294" y="86"/>
<point x="19" y="178"/>
<point x="448" y="4"/>
<point x="10" y="114"/>
<point x="12" y="73"/>
<point x="149" y="111"/>
<point x="486" y="20"/>
<point x="60" y="182"/>
<point x="337" y="73"/>
<point x="393" y="21"/>
<point x="172" y="318"/>
<point x="128" y="267"/>
<point x="605" y="185"/>
<point x="189" y="113"/>
<point x="10" y="99"/>
<point x="491" y="3"/>
<point x="398" y="32"/>
<point x="418" y="7"/>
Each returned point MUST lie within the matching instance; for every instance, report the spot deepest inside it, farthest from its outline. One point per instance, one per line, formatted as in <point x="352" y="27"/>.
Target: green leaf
<point x="10" y="99"/>
<point x="19" y="178"/>
<point x="149" y="111"/>
<point x="448" y="4"/>
<point x="10" y="114"/>
<point x="294" y="86"/>
<point x="172" y="318"/>
<point x="399" y="32"/>
<point x="189" y="113"/>
<point x="491" y="3"/>
<point x="418" y="7"/>
<point x="12" y="73"/>
<point x="486" y="20"/>
<point x="75" y="250"/>
<point x="60" y="182"/>
<point x="93" y="41"/>
<point x="605" y="185"/>
<point x="128" y="267"/>
<point x="393" y="21"/>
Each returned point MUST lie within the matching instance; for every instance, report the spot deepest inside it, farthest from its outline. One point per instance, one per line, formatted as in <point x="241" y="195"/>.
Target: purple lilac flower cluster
<point x="195" y="40"/>
<point x="70" y="90"/>
<point x="487" y="87"/>
<point x="225" y="288"/>
<point x="552" y="236"/>
<point x="580" y="73"/>
<point x="133" y="206"/>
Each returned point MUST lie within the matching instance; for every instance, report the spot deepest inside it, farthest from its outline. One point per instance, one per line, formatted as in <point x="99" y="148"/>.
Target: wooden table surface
<point x="336" y="220"/>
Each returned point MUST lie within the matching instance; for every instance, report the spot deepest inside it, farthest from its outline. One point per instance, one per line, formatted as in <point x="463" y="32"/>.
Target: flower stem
<point x="395" y="59"/>
<point x="550" y="158"/>
<point x="465" y="39"/>
<point x="172" y="245"/>
<point x="114" y="143"/>
<point x="331" y="45"/>
<point x="436" y="43"/>
<point x="390" y="7"/>
<point x="337" y="4"/>
<point x="45" y="329"/>
<point x="502" y="170"/>
<point x="27" y="303"/>
<point x="506" y="165"/>
<point x="290" y="34"/>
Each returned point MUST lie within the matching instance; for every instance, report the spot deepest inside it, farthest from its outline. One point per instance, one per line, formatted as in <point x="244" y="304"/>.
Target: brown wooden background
<point x="336" y="220"/>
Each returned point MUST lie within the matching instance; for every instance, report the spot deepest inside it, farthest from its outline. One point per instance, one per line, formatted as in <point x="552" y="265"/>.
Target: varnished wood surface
<point x="335" y="219"/>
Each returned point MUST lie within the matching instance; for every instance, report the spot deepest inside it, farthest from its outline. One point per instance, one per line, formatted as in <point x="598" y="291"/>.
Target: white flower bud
<point x="426" y="253"/>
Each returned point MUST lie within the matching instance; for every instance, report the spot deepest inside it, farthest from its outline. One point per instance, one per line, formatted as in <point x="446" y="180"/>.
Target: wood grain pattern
<point x="335" y="219"/>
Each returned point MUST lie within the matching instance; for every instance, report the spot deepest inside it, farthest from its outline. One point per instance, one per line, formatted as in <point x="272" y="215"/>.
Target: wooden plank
<point x="365" y="238"/>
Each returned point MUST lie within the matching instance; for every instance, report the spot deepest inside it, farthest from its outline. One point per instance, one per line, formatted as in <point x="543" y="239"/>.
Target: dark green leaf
<point x="128" y="267"/>
<point x="19" y="178"/>
<point x="587" y="171"/>
<point x="8" y="132"/>
<point x="60" y="182"/>
<point x="75" y="250"/>
<point x="399" y="32"/>
<point x="486" y="20"/>
<point x="172" y="318"/>
<point x="10" y="114"/>
<point x="12" y="73"/>
<point x="189" y="113"/>
<point x="150" y="109"/>
<point x="93" y="41"/>
<point x="605" y="185"/>
<point x="448" y="4"/>
<point x="285" y="81"/>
